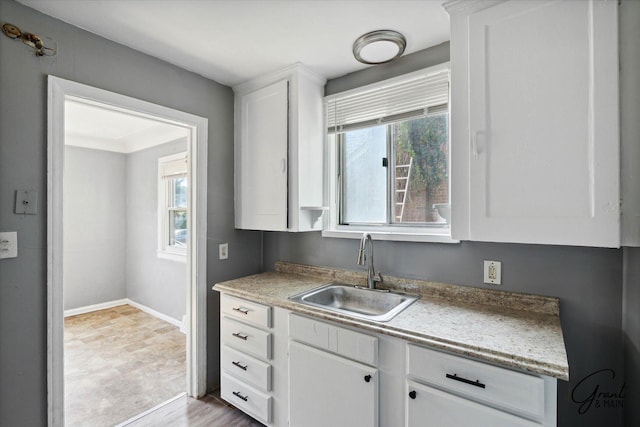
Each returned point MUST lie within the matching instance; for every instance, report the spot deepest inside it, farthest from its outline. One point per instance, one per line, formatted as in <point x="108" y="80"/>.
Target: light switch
<point x="26" y="202"/>
<point x="9" y="244"/>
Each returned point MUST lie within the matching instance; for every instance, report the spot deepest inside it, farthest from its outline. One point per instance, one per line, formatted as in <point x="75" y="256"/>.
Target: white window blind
<point x="421" y="94"/>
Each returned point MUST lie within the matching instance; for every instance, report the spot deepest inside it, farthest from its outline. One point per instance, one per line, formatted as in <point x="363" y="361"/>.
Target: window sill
<point x="405" y="235"/>
<point x="172" y="256"/>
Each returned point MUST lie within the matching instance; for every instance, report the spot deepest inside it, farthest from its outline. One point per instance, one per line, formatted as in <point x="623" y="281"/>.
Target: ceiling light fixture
<point x="378" y="47"/>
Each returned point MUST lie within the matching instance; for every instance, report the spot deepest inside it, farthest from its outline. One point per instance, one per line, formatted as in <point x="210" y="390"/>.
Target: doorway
<point x="193" y="243"/>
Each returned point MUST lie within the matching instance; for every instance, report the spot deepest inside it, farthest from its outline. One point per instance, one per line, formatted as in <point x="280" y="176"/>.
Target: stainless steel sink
<point x="364" y="303"/>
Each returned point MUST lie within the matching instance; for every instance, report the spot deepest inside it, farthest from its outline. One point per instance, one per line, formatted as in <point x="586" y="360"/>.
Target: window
<point x="389" y="158"/>
<point x="172" y="206"/>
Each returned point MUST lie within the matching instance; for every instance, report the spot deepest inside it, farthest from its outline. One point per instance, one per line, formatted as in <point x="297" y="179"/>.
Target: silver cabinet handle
<point x="241" y="310"/>
<point x="239" y="335"/>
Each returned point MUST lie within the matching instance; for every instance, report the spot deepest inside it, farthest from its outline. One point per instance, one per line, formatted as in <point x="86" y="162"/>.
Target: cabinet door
<point x="261" y="159"/>
<point x="543" y="127"/>
<point x="430" y="407"/>
<point x="328" y="390"/>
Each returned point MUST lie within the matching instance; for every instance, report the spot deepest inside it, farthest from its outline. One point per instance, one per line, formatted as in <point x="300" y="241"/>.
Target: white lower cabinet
<point x="329" y="390"/>
<point x="448" y="390"/>
<point x="333" y="380"/>
<point x="427" y="406"/>
<point x="298" y="371"/>
<point x="253" y="360"/>
<point x="247" y="398"/>
<point x="248" y="369"/>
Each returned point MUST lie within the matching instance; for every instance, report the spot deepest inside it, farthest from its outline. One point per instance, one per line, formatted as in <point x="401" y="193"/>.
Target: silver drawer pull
<point x="237" y="393"/>
<point x="239" y="335"/>
<point x="240" y="365"/>
<point x="241" y="310"/>
<point x="476" y="383"/>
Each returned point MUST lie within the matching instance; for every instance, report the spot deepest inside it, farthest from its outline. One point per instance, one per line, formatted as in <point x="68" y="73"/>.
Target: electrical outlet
<point x="493" y="272"/>
<point x="223" y="251"/>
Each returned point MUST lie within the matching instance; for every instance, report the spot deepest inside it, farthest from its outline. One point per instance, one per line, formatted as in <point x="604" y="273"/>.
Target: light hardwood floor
<point x="125" y="367"/>
<point x="184" y="411"/>
<point x="120" y="362"/>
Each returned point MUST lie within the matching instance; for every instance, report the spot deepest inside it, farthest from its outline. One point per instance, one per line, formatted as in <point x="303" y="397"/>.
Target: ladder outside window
<point x="403" y="172"/>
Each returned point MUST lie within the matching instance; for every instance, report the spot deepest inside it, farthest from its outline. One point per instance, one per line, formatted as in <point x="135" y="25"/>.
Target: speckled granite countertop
<point x="515" y="330"/>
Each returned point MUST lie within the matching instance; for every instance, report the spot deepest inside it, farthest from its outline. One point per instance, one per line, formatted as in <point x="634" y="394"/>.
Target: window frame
<point x="165" y="249"/>
<point x="332" y="226"/>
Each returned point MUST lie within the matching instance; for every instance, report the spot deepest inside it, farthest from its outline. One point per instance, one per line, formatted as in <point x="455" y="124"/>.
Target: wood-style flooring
<point x="210" y="411"/>
<point x="120" y="362"/>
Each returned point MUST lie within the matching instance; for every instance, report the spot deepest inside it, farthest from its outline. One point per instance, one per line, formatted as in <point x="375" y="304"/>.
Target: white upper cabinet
<point x="279" y="151"/>
<point x="535" y="122"/>
<point x="261" y="170"/>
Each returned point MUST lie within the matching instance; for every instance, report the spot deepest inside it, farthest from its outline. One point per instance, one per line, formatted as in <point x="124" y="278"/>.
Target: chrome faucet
<point x="363" y="257"/>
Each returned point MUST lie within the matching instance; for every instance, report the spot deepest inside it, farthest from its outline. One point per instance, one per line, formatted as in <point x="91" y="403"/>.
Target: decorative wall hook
<point x="32" y="40"/>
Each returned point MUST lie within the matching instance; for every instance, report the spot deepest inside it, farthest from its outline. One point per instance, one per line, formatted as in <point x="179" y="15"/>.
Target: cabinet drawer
<point x="499" y="387"/>
<point x="309" y="331"/>
<point x="247" y="311"/>
<point x="430" y="407"/>
<point x="245" y="397"/>
<point x="245" y="338"/>
<point x="345" y="342"/>
<point x="246" y="368"/>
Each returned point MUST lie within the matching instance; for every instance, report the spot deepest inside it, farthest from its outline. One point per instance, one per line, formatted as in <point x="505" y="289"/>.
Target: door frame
<point x="59" y="90"/>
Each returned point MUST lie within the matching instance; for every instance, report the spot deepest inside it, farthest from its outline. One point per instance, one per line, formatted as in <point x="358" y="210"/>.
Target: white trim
<point x="154" y="313"/>
<point x="197" y="128"/>
<point x="126" y="301"/>
<point x="149" y="411"/>
<point x="396" y="236"/>
<point x="95" y="307"/>
<point x="282" y="74"/>
<point x="172" y="256"/>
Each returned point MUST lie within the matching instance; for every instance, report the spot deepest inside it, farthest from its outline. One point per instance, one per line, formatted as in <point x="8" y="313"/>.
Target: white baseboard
<point x="102" y="306"/>
<point x="155" y="313"/>
<point x="95" y="307"/>
<point x="183" y="327"/>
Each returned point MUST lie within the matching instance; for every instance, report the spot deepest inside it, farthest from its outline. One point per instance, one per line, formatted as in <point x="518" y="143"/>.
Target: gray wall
<point x="155" y="282"/>
<point x="95" y="227"/>
<point x="111" y="231"/>
<point x="631" y="330"/>
<point x="92" y="60"/>
<point x="630" y="102"/>
<point x="588" y="281"/>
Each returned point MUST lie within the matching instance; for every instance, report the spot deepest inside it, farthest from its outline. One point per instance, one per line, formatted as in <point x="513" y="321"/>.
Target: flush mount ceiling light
<point x="378" y="47"/>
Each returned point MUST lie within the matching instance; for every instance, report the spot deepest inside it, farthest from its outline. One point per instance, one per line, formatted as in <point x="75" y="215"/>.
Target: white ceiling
<point x="96" y="126"/>
<point x="231" y="41"/>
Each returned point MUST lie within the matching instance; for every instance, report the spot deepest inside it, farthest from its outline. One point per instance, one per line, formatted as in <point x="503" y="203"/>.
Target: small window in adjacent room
<point x="389" y="158"/>
<point x="172" y="206"/>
